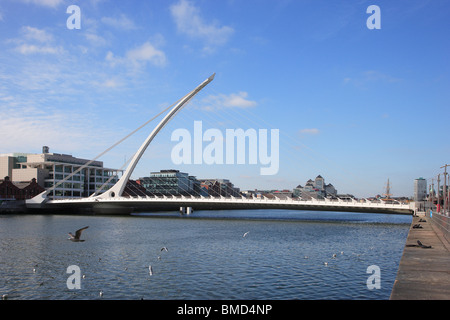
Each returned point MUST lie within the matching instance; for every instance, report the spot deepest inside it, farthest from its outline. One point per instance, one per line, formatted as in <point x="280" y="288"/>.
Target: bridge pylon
<point x="117" y="190"/>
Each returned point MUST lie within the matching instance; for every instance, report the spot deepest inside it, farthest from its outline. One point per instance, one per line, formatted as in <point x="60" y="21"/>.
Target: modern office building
<point x="170" y="182"/>
<point x="49" y="169"/>
<point x="420" y="189"/>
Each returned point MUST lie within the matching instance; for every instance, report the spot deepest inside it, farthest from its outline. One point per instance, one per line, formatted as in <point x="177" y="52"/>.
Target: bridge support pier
<point x="186" y="210"/>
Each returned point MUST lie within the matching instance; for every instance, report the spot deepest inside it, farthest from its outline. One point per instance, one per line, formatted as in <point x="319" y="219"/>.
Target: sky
<point x="354" y="104"/>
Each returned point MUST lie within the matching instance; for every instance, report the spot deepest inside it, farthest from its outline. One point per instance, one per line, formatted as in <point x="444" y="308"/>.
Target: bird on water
<point x="150" y="270"/>
<point x="76" y="237"/>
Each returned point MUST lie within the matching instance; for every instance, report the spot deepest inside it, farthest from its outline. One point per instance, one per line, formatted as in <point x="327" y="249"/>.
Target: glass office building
<point x="83" y="177"/>
<point x="170" y="182"/>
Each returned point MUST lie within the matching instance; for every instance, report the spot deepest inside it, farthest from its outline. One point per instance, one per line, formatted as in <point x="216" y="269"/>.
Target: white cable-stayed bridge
<point x="114" y="201"/>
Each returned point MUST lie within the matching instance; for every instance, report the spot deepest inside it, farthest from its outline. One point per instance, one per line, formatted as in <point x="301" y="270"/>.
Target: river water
<point x="284" y="255"/>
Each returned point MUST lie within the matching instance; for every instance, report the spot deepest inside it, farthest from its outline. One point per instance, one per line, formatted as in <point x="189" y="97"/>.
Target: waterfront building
<point x="330" y="190"/>
<point x="134" y="189"/>
<point x="420" y="189"/>
<point x="10" y="161"/>
<point x="19" y="190"/>
<point x="319" y="183"/>
<point x="297" y="192"/>
<point x="309" y="186"/>
<point x="170" y="182"/>
<point x="282" y="194"/>
<point x="49" y="169"/>
<point x="219" y="187"/>
<point x="316" y="189"/>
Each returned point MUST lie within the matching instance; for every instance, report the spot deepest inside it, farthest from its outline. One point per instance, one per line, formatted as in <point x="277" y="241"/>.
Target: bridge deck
<point x="135" y="204"/>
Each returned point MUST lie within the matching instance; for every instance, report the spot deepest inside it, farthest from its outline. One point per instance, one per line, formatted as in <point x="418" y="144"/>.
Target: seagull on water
<point x="245" y="234"/>
<point x="76" y="237"/>
<point x="150" y="270"/>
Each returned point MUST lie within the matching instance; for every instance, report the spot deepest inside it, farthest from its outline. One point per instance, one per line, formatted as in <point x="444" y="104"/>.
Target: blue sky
<point x="355" y="105"/>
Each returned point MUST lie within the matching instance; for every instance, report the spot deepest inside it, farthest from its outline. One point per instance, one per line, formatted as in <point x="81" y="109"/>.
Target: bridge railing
<point x="287" y="200"/>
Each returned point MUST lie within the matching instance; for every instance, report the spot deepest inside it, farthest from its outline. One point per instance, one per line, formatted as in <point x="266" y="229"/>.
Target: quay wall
<point x="442" y="223"/>
<point x="424" y="272"/>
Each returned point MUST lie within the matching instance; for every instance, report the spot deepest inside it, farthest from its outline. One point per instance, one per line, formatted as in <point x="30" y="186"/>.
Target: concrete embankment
<point x="424" y="271"/>
<point x="12" y="206"/>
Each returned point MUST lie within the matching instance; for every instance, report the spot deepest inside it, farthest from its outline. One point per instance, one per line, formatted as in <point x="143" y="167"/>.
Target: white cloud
<point x="147" y="52"/>
<point x="95" y="39"/>
<point x="45" y="3"/>
<point x="311" y="131"/>
<point x="139" y="56"/>
<point x="238" y="100"/>
<point x="39" y="35"/>
<point x="374" y="75"/>
<point x="232" y="100"/>
<point x="111" y="83"/>
<point x="29" y="128"/>
<point x="189" y="21"/>
<point x="31" y="49"/>
<point x="111" y="58"/>
<point x="370" y="76"/>
<point x="122" y="22"/>
<point x="35" y="41"/>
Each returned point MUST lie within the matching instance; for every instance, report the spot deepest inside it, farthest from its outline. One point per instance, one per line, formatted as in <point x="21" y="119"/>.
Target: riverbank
<point x="13" y="206"/>
<point x="424" y="272"/>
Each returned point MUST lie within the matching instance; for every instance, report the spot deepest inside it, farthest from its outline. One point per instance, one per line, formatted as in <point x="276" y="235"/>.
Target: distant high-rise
<point x="420" y="189"/>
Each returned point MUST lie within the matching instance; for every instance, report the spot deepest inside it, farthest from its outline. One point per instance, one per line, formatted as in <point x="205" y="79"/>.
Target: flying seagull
<point x="164" y="249"/>
<point x="245" y="234"/>
<point x="76" y="237"/>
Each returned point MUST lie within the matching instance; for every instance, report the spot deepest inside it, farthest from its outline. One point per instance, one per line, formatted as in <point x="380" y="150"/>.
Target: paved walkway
<point x="424" y="273"/>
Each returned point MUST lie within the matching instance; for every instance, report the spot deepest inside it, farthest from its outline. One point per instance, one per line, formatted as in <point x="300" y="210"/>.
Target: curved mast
<point x="118" y="188"/>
